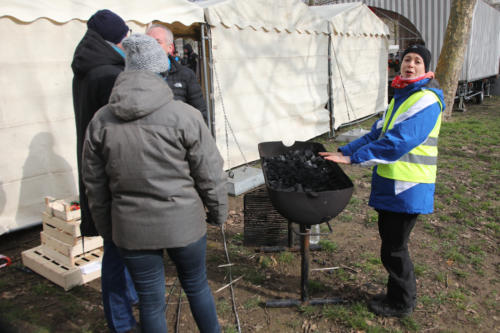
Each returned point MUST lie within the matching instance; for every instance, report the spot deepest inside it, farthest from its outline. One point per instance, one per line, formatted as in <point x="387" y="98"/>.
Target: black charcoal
<point x="302" y="171"/>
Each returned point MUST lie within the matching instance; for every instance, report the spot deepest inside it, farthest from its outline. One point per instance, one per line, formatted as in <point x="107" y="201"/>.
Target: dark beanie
<point x="110" y="26"/>
<point x="421" y="51"/>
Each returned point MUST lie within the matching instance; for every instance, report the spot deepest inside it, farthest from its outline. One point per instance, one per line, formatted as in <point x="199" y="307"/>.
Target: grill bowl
<point x="306" y="207"/>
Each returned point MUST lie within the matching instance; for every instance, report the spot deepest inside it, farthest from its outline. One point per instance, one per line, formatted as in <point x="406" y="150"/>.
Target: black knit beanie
<point x="110" y="26"/>
<point x="421" y="51"/>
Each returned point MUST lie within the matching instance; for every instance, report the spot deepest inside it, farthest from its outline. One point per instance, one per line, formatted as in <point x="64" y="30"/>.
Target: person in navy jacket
<point x="402" y="148"/>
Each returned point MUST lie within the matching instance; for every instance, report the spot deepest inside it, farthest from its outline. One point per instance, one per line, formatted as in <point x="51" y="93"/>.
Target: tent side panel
<point x="359" y="68"/>
<point x="36" y="118"/>
<point x="37" y="127"/>
<point x="273" y="86"/>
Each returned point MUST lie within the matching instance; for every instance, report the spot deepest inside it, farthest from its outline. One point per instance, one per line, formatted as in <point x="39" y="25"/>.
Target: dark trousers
<point x="394" y="229"/>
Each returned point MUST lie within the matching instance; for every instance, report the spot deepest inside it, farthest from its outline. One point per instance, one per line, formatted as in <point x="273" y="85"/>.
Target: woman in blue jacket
<point x="402" y="148"/>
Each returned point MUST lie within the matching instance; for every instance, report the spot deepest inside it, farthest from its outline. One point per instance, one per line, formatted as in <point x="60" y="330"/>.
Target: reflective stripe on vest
<point x="420" y="164"/>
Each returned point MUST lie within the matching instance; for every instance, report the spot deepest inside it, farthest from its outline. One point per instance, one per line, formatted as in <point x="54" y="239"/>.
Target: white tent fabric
<point x="37" y="128"/>
<point x="359" y="60"/>
<point x="270" y="80"/>
<point x="140" y="11"/>
<point x="270" y="74"/>
<point x="283" y="15"/>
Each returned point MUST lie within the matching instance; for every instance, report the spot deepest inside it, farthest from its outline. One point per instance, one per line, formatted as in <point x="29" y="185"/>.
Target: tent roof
<point x="62" y="11"/>
<point x="352" y="18"/>
<point x="282" y="15"/>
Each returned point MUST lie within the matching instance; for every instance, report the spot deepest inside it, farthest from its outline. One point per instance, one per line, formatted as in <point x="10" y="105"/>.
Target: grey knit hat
<point x="144" y="53"/>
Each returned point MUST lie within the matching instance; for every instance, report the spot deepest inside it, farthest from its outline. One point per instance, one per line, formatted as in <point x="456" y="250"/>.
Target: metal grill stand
<point x="305" y="233"/>
<point x="305" y="207"/>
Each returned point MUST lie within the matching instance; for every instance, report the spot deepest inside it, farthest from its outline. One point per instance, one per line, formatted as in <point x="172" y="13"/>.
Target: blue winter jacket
<point x="370" y="150"/>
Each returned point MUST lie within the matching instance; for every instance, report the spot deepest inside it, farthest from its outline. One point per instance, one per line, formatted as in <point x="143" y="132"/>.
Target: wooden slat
<point x="64" y="276"/>
<point x="91" y="243"/>
<point x="64" y="253"/>
<point x="60" y="234"/>
<point x="69" y="227"/>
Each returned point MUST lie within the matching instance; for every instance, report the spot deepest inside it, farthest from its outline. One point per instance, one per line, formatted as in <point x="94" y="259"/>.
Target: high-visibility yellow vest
<point x="420" y="164"/>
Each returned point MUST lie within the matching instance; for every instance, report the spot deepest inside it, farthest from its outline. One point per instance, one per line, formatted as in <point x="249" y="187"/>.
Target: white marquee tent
<point x="270" y="74"/>
<point x="37" y="128"/>
<point x="359" y="60"/>
<point x="269" y="79"/>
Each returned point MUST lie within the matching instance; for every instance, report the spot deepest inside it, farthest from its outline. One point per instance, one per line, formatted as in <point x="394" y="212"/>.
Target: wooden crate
<point x="60" y="234"/>
<point x="71" y="228"/>
<point x="67" y="254"/>
<point x="61" y="209"/>
<point x="87" y="267"/>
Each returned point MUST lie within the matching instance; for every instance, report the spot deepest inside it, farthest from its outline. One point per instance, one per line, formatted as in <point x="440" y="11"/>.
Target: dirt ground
<point x="455" y="252"/>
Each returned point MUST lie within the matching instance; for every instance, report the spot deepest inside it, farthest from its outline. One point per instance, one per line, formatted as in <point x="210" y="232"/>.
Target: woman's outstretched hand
<point x="336" y="157"/>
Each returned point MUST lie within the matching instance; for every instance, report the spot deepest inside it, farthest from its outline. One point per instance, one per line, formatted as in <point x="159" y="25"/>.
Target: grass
<point x="343" y="275"/>
<point x="355" y="316"/>
<point x="286" y="258"/>
<point x="230" y="329"/>
<point x="265" y="262"/>
<point x="370" y="264"/>
<point x="419" y="269"/>
<point x="371" y="219"/>
<point x="223" y="307"/>
<point x="316" y="286"/>
<point x="328" y="245"/>
<point x="250" y="274"/>
<point x="307" y="310"/>
<point x="252" y="303"/>
<point x="238" y="237"/>
<point x="410" y="324"/>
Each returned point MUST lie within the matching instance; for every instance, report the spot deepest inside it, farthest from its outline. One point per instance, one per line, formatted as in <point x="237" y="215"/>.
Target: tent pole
<point x="208" y="88"/>
<point x="330" y="85"/>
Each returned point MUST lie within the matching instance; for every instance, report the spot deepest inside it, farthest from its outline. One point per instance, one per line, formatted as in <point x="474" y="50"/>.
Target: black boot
<point x="382" y="306"/>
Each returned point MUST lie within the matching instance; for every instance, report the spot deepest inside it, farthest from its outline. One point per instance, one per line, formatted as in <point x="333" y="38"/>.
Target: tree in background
<point x="453" y="51"/>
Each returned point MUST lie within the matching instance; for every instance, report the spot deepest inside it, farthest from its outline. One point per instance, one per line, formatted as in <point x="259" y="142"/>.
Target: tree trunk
<point x="453" y="51"/>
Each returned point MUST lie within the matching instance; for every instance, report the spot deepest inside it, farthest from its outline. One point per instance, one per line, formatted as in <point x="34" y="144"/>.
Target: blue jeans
<point x="118" y="292"/>
<point x="146" y="268"/>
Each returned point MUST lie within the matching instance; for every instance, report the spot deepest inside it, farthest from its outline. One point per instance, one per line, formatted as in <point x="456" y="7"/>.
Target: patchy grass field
<point x="455" y="251"/>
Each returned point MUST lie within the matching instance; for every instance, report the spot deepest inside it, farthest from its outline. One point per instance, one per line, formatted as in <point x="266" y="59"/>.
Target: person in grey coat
<point x="151" y="168"/>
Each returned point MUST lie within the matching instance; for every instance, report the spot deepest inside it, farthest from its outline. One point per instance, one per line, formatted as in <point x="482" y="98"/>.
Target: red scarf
<point x="399" y="82"/>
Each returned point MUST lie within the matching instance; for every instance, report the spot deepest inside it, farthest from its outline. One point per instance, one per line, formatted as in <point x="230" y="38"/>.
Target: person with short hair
<point x="97" y="61"/>
<point x="402" y="148"/>
<point x="180" y="78"/>
<point x="151" y="167"/>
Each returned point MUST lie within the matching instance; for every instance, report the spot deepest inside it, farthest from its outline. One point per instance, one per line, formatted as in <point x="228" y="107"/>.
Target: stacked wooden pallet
<point x="64" y="256"/>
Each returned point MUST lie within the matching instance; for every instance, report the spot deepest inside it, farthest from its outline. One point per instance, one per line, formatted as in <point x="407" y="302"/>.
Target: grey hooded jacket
<point x="150" y="166"/>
